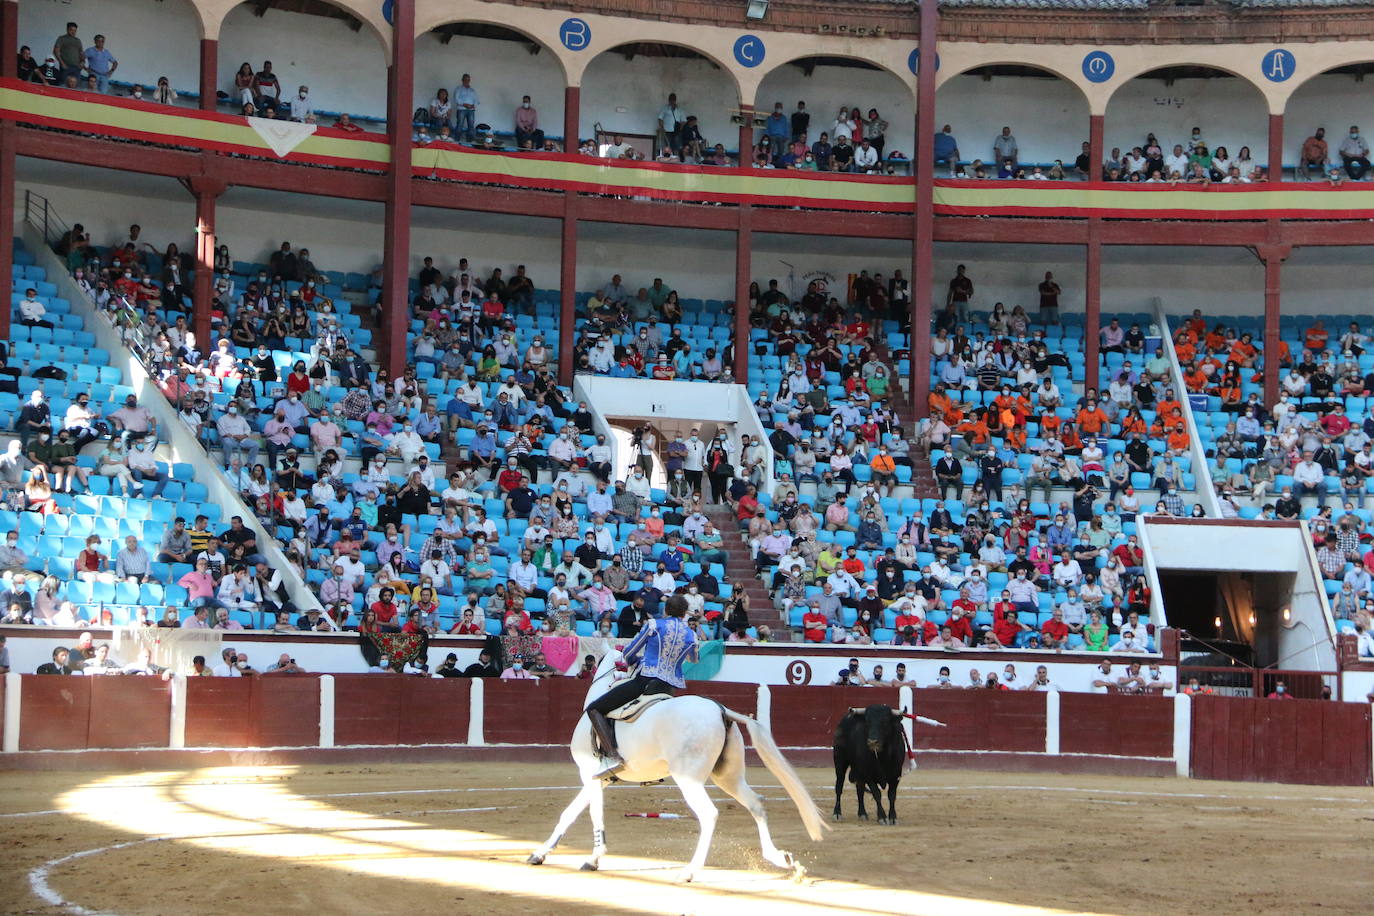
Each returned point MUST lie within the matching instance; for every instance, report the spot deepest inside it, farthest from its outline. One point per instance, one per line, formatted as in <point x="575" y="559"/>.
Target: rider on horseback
<point x="664" y="644"/>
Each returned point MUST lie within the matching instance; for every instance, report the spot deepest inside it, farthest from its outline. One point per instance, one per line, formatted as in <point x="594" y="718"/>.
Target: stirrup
<point x="609" y="767"/>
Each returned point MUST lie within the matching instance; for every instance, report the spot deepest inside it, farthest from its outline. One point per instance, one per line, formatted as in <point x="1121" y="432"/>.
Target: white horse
<point x="690" y="739"/>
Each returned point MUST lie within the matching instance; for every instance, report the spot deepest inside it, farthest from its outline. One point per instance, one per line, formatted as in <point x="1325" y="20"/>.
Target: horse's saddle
<point x="631" y="710"/>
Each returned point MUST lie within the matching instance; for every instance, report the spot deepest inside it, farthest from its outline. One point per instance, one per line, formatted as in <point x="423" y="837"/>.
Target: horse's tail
<point x="777" y="765"/>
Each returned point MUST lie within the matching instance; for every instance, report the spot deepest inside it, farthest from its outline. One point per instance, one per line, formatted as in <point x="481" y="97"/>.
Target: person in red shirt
<point x="910" y="618"/>
<point x="814" y="624"/>
<point x="960" y="626"/>
<point x="492" y="311"/>
<point x="1130" y="554"/>
<point x="748" y="505"/>
<point x="413" y="623"/>
<point x="1280" y="691"/>
<point x="1336" y="423"/>
<point x="852" y="564"/>
<point x="1006" y="627"/>
<point x="467" y="626"/>
<point x="510" y="476"/>
<point x="385" y="609"/>
<point x="1054" y="633"/>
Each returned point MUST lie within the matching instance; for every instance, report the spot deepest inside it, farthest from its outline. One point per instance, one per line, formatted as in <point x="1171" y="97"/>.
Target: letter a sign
<point x="1278" y="65"/>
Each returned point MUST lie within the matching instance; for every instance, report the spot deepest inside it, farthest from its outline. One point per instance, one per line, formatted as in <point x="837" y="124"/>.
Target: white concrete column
<point x="476" y="712"/>
<point x="13" y="693"/>
<point x="1052" y="722"/>
<point x="764" y="715"/>
<point x="1183" y="735"/>
<point x="326" y="710"/>
<point x="176" y="726"/>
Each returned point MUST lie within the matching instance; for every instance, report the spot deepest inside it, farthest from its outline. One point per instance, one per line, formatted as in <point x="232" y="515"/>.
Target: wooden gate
<point x="1314" y="742"/>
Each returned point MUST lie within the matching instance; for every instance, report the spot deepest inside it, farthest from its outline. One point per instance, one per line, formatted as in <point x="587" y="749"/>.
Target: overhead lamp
<point x="757" y="9"/>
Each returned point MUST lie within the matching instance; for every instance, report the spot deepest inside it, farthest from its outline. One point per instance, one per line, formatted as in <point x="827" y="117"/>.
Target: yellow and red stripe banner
<point x="666" y="181"/>
<point x="185" y="127"/>
<point x="150" y="122"/>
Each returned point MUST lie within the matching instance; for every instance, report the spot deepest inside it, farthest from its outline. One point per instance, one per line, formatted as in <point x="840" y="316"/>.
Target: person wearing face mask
<point x="143" y="466"/>
<point x="301" y="109"/>
<point x="1354" y="152"/>
<point x="599" y="459"/>
<point x="236" y="437"/>
<point x="527" y="132"/>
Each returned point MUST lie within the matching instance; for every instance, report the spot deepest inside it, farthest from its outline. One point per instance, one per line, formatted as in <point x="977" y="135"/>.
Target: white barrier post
<point x="326" y="710"/>
<point x="1183" y="735"/>
<point x="764" y="710"/>
<point x="176" y="726"/>
<point x="13" y="687"/>
<point x="476" y="712"/>
<point x="906" y="700"/>
<point x="1052" y="722"/>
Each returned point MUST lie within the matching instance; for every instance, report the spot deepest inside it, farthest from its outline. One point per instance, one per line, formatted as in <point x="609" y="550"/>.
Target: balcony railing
<point x="288" y="142"/>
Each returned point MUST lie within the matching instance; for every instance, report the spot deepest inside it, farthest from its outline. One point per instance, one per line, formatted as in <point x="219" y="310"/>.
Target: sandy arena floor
<point x="431" y="839"/>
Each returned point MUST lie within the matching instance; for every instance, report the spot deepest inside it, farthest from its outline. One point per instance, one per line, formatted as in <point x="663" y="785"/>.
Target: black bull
<point x="871" y="746"/>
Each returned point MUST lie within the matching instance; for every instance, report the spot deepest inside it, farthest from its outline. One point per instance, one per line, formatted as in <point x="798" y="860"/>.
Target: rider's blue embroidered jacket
<point x="664" y="644"/>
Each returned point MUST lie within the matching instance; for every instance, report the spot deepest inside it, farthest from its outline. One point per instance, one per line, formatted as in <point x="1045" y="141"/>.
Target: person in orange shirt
<point x="1016" y="438"/>
<point x="1092" y="420"/>
<point x="1185" y="350"/>
<point x="1196" y="324"/>
<point x="974" y="430"/>
<point x="1178" y="438"/>
<point x="1216" y="339"/>
<point x="1315" y="337"/>
<point x="1285" y="355"/>
<point x="1229" y="392"/>
<point x="1244" y="351"/>
<point x="884" y="470"/>
<point x="1195" y="379"/>
<point x="1169" y="407"/>
<point x="1050" y="423"/>
<point x="1133" y="422"/>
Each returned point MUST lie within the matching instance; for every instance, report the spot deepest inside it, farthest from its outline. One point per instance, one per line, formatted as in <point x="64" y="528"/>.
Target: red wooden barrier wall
<point x="434" y="711"/>
<point x="251" y="711"/>
<point x="129" y="712"/>
<point x="55" y="712"/>
<point x="977" y="720"/>
<point x="1313" y="742"/>
<point x="532" y="712"/>
<point x="1123" y="726"/>
<point x="807" y="716"/>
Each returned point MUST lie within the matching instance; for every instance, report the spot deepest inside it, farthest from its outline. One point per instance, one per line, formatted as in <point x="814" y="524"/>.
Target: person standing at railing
<point x="465" y="103"/>
<point x="68" y="53"/>
<point x="100" y="63"/>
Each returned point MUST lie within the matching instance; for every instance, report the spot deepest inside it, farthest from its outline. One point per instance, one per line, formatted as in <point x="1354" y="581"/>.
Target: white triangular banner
<point x="282" y="136"/>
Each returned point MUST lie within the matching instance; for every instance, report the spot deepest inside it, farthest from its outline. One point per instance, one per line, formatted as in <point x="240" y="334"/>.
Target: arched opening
<point x="1046" y="117"/>
<point x="310" y="43"/>
<point x="625" y="89"/>
<point x="1333" y="101"/>
<point x="149" y="40"/>
<point x="1228" y="112"/>
<point x="819" y="88"/>
<point x="505" y="65"/>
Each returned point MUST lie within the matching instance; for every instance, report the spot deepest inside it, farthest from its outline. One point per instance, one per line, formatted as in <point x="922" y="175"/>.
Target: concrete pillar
<point x="209" y="73"/>
<point x="206" y="192"/>
<point x="744" y="261"/>
<point x="567" y="288"/>
<point x="1096" y="155"/>
<point x="746" y="137"/>
<point x="923" y="234"/>
<point x="572" y="114"/>
<point x="1092" y="293"/>
<point x="1276" y="147"/>
<point x="396" y="228"/>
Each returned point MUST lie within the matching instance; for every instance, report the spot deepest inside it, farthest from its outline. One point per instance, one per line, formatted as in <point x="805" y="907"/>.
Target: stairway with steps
<point x="739" y="567"/>
<point x="923" y="481"/>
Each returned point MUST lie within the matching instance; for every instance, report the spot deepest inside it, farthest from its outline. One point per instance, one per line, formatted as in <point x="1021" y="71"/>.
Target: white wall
<point x="696" y="264"/>
<point x="626" y="96"/>
<point x="502" y="72"/>
<point x="149" y="38"/>
<point x="1230" y="112"/>
<point x="1334" y="101"/>
<point x="1048" y="116"/>
<point x="345" y="70"/>
<point x="827" y="88"/>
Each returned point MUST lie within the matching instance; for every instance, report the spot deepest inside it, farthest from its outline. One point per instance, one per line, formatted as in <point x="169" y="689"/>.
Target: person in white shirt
<point x="232" y="665"/>
<point x="1177" y="161"/>
<point x="236" y="437"/>
<point x="31" y="311"/>
<point x="524" y="576"/>
<point x="1041" y="682"/>
<point x="353" y="569"/>
<point x="239" y="591"/>
<point x="406" y="444"/>
<point x="1067" y="573"/>
<point x="300" y="104"/>
<point x="1128" y="643"/>
<point x="865" y="157"/>
<point x="638" y="485"/>
<point x="1309" y="478"/>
